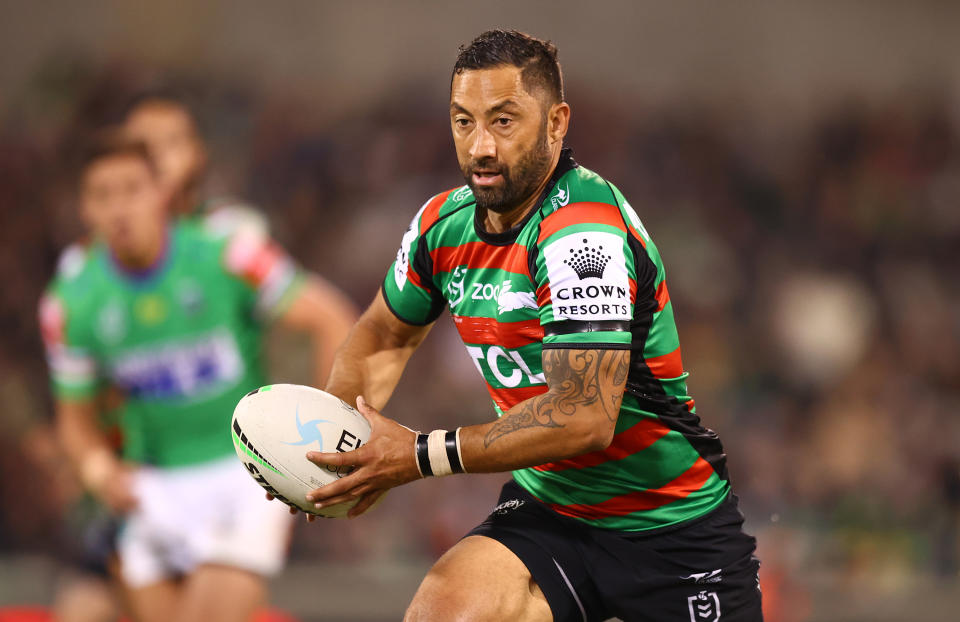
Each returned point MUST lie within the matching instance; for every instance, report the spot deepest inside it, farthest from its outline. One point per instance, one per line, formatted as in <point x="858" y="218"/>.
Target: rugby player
<point x="166" y="125"/>
<point x="172" y="316"/>
<point x="620" y="504"/>
<point x="162" y="120"/>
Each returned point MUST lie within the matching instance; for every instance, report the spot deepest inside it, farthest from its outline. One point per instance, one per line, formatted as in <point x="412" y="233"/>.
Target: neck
<point x="499" y="222"/>
<point x="145" y="257"/>
<point x="184" y="201"/>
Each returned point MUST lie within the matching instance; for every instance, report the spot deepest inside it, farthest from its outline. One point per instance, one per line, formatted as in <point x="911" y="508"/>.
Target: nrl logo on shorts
<point x="704" y="607"/>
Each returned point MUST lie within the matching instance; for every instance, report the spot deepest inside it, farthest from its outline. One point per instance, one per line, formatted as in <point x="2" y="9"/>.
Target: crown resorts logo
<point x="588" y="261"/>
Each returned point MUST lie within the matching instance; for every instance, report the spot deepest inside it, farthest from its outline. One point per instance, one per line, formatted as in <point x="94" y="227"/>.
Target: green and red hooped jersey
<point x="579" y="272"/>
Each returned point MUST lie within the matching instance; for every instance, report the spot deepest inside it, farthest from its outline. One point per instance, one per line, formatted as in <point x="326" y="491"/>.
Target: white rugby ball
<point x="275" y="426"/>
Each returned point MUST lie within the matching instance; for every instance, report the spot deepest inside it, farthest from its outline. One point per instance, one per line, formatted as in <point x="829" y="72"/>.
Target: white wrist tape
<point x="437" y="451"/>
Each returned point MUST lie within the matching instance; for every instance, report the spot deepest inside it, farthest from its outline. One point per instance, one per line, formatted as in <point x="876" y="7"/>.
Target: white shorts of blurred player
<point x="212" y="513"/>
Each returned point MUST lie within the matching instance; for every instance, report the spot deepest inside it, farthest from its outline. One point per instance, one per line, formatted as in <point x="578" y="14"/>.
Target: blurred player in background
<point x="163" y="121"/>
<point x="171" y="316"/>
<point x="620" y="504"/>
<point x="165" y="124"/>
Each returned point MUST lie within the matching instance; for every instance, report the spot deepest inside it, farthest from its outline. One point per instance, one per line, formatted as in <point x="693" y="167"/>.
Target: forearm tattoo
<point x="576" y="378"/>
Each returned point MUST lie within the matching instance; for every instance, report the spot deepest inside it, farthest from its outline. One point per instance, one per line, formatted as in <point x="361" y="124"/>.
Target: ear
<point x="558" y="120"/>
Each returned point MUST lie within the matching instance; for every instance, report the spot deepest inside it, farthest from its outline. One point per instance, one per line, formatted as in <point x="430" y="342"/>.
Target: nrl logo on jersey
<point x="455" y="286"/>
<point x="111" y="324"/>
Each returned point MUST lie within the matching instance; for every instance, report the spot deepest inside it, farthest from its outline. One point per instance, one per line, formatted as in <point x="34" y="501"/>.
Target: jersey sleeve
<point x="408" y="288"/>
<point x="585" y="278"/>
<point x="264" y="267"/>
<point x="73" y="366"/>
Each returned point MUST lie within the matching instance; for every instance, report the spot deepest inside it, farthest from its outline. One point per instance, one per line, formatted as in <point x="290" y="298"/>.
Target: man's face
<point x="170" y="134"/>
<point x="122" y="202"/>
<point x="500" y="132"/>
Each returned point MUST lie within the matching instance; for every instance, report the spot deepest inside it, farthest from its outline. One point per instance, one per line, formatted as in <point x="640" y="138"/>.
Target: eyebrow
<point x="507" y="103"/>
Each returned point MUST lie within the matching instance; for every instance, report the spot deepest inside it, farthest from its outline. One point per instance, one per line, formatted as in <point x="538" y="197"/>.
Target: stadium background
<point x="798" y="165"/>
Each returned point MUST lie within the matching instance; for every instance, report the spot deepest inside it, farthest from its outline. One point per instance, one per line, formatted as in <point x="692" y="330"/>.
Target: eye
<point x="504" y="121"/>
<point x="461" y="122"/>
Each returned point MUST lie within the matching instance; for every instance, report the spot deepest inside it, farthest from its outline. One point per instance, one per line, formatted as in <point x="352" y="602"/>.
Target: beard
<point x="519" y="181"/>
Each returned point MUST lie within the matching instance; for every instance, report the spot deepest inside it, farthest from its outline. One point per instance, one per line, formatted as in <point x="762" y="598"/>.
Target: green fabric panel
<point x="183" y="344"/>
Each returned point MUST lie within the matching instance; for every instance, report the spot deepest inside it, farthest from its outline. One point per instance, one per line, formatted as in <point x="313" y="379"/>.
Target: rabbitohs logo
<point x="461" y="194"/>
<point x="511" y="301"/>
<point x="562" y="197"/>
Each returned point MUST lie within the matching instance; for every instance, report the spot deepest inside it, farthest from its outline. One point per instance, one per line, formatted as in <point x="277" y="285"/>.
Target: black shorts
<point x="702" y="571"/>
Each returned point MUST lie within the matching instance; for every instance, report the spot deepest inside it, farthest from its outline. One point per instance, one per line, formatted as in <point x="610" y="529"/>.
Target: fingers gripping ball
<point x="275" y="426"/>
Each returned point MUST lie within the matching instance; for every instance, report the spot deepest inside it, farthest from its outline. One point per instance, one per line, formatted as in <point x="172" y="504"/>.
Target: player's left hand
<point x="387" y="460"/>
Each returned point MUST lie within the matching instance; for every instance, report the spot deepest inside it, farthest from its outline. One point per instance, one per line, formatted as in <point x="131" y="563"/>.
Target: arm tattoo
<point x="576" y="378"/>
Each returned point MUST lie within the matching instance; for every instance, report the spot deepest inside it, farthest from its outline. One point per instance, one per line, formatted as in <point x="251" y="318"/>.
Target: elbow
<point x="598" y="437"/>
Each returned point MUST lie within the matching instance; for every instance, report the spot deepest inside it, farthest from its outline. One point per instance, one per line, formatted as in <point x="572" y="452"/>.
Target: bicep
<point x="592" y="380"/>
<point x="390" y="329"/>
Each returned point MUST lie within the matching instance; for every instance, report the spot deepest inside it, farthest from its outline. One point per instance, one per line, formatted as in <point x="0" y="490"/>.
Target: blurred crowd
<point x="813" y="265"/>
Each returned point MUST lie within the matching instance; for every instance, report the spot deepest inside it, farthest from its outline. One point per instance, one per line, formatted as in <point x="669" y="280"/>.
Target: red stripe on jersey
<point x="432" y="212"/>
<point x="251" y="257"/>
<point x="261" y="264"/>
<point x="413" y="276"/>
<point x="662" y="295"/>
<point x="689" y="482"/>
<point x="637" y="235"/>
<point x="666" y="366"/>
<point x="543" y="295"/>
<point x="512" y="258"/>
<point x="487" y="331"/>
<point x="52" y="320"/>
<point x="508" y="398"/>
<point x="581" y="213"/>
<point x="632" y="440"/>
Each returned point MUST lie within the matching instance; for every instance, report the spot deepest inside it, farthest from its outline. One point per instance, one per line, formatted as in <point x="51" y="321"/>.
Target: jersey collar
<point x="564" y="165"/>
<point x="143" y="275"/>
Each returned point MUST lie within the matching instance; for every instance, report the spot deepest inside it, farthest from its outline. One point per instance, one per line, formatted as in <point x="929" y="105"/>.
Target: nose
<point x="484" y="145"/>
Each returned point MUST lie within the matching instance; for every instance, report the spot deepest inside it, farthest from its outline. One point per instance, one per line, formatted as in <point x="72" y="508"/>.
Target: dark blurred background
<point x="798" y="166"/>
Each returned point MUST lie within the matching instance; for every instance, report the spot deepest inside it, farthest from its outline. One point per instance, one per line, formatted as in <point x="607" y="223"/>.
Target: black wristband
<point x="453" y="455"/>
<point x="423" y="455"/>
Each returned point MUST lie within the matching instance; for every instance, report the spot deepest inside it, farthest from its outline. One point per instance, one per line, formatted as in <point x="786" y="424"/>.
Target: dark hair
<point x="537" y="59"/>
<point x="112" y="143"/>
